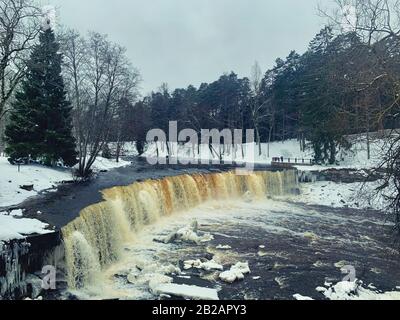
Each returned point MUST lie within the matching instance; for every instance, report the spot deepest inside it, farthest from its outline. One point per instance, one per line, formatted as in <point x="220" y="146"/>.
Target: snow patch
<point x="103" y="164"/>
<point x="12" y="227"/>
<point x="49" y="17"/>
<point x="42" y="178"/>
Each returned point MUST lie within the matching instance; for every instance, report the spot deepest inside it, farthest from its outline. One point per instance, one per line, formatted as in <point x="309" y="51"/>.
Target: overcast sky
<point x="184" y="42"/>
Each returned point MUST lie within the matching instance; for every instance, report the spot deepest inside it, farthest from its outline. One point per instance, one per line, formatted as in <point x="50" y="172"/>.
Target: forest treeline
<point x="337" y="87"/>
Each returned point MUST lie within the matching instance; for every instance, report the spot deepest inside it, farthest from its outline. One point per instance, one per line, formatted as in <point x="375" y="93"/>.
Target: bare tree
<point x="377" y="24"/>
<point x="19" y="27"/>
<point x="257" y="105"/>
<point x="99" y="76"/>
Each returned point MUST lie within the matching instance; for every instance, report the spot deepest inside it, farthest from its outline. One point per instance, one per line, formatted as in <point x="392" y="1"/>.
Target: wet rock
<point x="121" y="274"/>
<point x="170" y="269"/>
<point x="27" y="187"/>
<point x="33" y="285"/>
<point x="133" y="276"/>
<point x="170" y="238"/>
<point x="310" y="236"/>
<point x="349" y="175"/>
<point x="194" y="226"/>
<point x="262" y="253"/>
<point x="281" y="281"/>
<point x="157" y="280"/>
<point x="248" y="197"/>
<point x="295" y="191"/>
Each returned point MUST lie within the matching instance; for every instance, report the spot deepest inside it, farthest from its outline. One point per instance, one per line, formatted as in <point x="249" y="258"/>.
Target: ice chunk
<point x="187" y="292"/>
<point x="223" y="247"/>
<point x="207" y="266"/>
<point x="157" y="280"/>
<point x="190" y="234"/>
<point x="300" y="297"/>
<point x="236" y="272"/>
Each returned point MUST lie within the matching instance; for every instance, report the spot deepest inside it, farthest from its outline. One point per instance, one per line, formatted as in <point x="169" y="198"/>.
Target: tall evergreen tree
<point x="40" y="123"/>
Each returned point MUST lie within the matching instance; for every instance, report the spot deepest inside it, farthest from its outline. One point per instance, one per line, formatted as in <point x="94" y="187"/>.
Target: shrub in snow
<point x="106" y="153"/>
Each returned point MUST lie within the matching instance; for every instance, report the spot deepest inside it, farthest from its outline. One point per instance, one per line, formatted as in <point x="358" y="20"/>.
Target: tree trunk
<point x="258" y="141"/>
<point x="368" y="135"/>
<point x="269" y="141"/>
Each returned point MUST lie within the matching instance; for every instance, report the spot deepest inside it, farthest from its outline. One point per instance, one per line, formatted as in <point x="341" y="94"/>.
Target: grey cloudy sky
<point x="184" y="42"/>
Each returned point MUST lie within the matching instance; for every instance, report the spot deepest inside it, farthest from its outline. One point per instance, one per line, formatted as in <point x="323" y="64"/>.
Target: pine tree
<point x="40" y="124"/>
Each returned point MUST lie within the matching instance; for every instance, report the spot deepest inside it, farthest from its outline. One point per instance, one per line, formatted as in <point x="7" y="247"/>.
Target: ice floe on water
<point x="187" y="291"/>
<point x="189" y="233"/>
<point x="237" y="272"/>
<point x="223" y="247"/>
<point x="300" y="297"/>
<point x="352" y="290"/>
<point x="207" y="266"/>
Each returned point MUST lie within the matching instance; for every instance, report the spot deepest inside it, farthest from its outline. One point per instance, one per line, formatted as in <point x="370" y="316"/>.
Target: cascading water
<point x="95" y="239"/>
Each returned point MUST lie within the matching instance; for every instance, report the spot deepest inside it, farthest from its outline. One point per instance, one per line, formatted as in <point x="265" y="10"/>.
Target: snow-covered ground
<point x="108" y="164"/>
<point x="340" y="195"/>
<point x="42" y="178"/>
<point x="12" y="225"/>
<point x="355" y="158"/>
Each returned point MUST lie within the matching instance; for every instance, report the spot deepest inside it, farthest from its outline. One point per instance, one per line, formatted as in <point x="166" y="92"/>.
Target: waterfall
<point x="95" y="239"/>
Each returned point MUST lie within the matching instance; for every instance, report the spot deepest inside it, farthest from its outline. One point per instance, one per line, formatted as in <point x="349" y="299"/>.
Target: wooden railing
<point x="292" y="161"/>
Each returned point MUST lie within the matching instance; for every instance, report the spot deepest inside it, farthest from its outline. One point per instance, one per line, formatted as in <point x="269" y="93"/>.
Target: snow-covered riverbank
<point x="356" y="195"/>
<point x="31" y="180"/>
